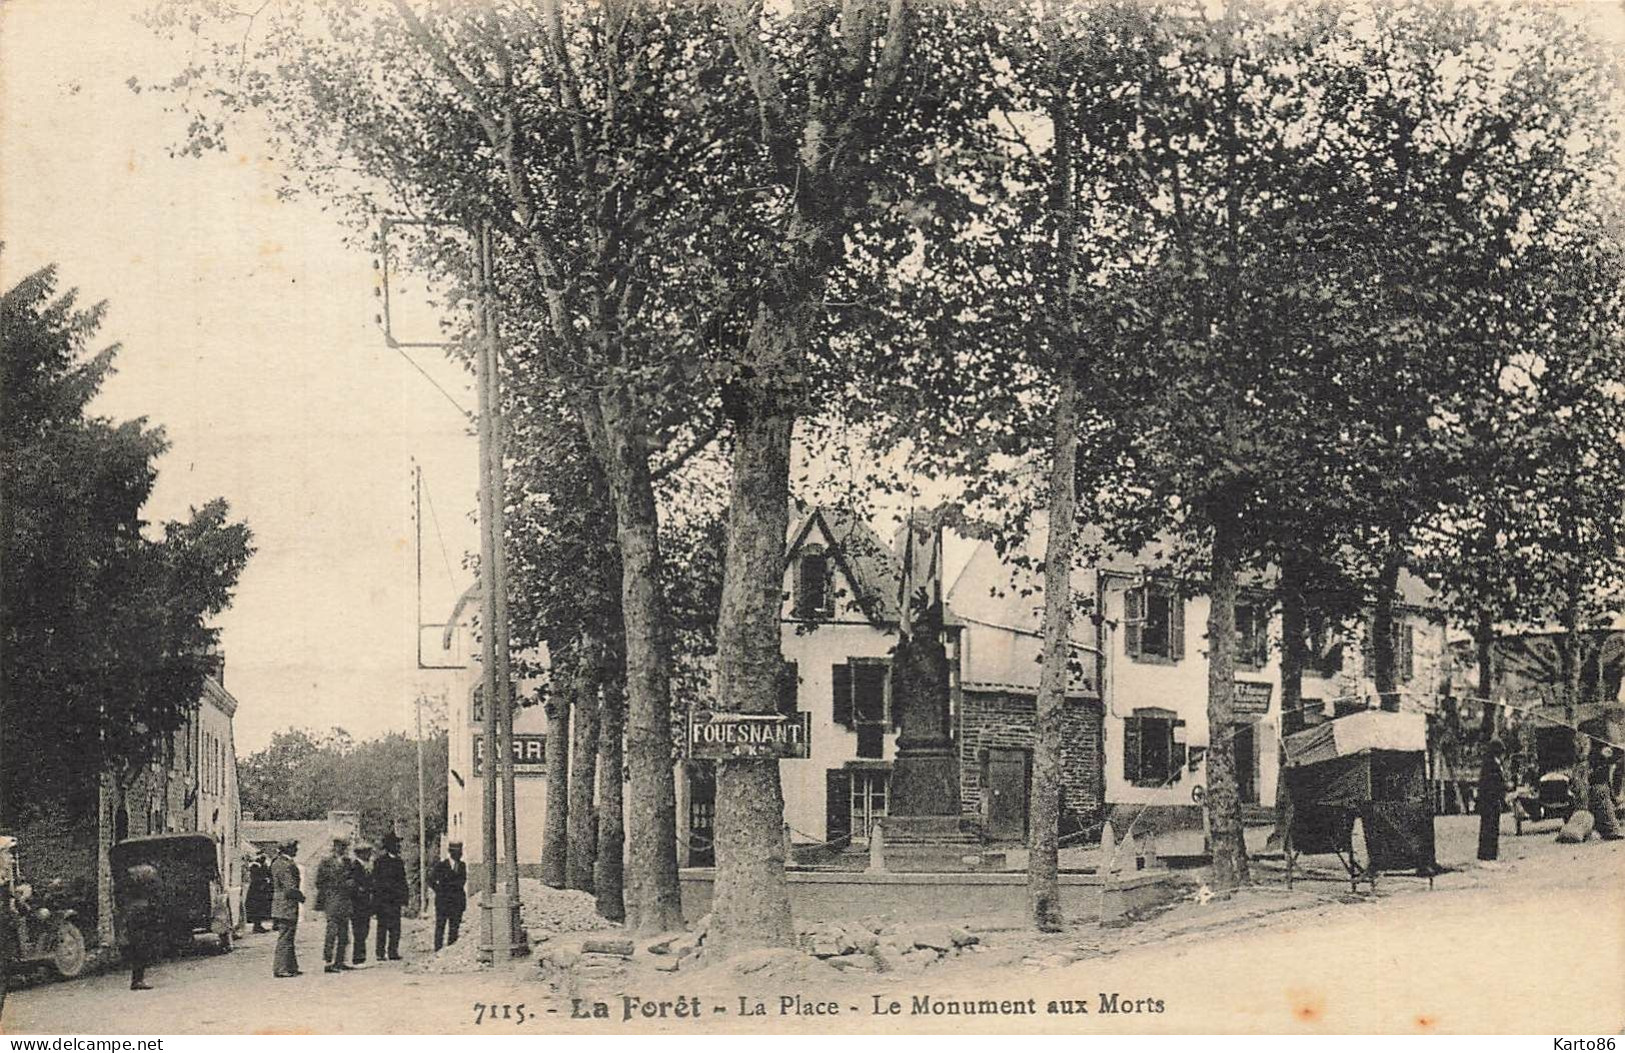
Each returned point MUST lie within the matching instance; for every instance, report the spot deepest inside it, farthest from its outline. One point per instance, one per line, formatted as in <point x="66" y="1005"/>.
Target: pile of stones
<point x="868" y="946"/>
<point x="888" y="947"/>
<point x="572" y="965"/>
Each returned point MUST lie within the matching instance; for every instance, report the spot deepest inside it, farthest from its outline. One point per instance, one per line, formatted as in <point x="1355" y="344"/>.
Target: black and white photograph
<point x="812" y="517"/>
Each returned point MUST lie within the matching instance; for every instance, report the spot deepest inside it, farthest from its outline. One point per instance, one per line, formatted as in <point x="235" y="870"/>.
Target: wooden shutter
<point x="1176" y="625"/>
<point x="789" y="684"/>
<point x="1407" y="644"/>
<point x="837" y="806"/>
<point x="1133" y="618"/>
<point x="1177" y="751"/>
<point x="841" y="675"/>
<point x="1131" y="750"/>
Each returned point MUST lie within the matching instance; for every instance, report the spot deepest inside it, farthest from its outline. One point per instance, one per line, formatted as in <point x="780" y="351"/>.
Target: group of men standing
<point x="351" y="890"/>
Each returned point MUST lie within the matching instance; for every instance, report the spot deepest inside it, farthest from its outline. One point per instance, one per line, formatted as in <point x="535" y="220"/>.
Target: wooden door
<point x="702" y="811"/>
<point x="1246" y="753"/>
<point x="1006" y="782"/>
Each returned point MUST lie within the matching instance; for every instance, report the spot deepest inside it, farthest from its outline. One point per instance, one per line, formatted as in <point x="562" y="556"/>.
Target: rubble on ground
<point x="546" y="911"/>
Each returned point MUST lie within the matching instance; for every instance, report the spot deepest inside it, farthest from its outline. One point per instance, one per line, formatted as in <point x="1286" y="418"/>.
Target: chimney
<point x="216" y="661"/>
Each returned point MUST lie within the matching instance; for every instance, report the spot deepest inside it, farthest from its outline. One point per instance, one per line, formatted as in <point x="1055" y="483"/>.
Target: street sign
<point x="714" y="736"/>
<point x="1252" y="698"/>
<point x="529" y="754"/>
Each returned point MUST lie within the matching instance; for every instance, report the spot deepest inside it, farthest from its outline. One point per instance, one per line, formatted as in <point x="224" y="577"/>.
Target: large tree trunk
<point x="582" y="823"/>
<point x="555" y="823"/>
<point x="1223" y="801"/>
<point x="1491" y="784"/>
<point x="1043" y="883"/>
<point x="1382" y="629"/>
<point x="608" y="868"/>
<point x="751" y="905"/>
<point x="655" y="903"/>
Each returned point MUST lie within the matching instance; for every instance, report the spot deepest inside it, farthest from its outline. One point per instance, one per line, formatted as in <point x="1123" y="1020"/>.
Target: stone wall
<point x="1005" y="719"/>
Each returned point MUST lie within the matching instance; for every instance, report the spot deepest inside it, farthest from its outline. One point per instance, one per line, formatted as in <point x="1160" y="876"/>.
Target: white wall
<point x="465" y="804"/>
<point x="1182" y="687"/>
<point x="816" y="648"/>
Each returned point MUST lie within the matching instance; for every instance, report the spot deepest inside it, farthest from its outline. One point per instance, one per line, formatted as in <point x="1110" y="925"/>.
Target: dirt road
<point x="1533" y="944"/>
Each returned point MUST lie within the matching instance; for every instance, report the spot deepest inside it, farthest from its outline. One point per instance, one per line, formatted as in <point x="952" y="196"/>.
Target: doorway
<point x="702" y="814"/>
<point x="1006" y="782"/>
<point x="1245" y="745"/>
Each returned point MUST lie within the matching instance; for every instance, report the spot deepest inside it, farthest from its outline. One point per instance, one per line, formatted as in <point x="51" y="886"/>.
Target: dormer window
<point x="813" y="584"/>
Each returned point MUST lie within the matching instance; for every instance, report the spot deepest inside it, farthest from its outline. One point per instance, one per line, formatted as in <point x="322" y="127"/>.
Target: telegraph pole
<point x="494" y="917"/>
<point x="417" y="705"/>
<point x="518" y="942"/>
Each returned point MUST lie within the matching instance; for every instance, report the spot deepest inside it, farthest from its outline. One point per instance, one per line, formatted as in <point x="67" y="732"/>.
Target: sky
<point x="247" y="332"/>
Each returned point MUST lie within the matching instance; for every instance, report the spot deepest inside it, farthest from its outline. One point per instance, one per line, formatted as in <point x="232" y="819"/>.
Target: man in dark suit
<point x="335" y="896"/>
<point x="448" y="879"/>
<point x="285" y="899"/>
<point x="389" y="896"/>
<point x="142" y="930"/>
<point x="361" y="919"/>
<point x="257" y="907"/>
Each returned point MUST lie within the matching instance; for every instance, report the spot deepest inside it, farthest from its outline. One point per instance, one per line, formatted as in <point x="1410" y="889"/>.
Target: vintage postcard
<point x="534" y="517"/>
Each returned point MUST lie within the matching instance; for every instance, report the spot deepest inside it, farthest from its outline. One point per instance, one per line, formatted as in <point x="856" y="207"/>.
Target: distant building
<point x="1134" y="731"/>
<point x="465" y="799"/>
<point x="315" y="837"/>
<point x="191" y="785"/>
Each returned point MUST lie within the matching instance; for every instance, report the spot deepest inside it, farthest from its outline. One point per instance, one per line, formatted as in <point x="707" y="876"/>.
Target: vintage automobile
<point x="190" y="897"/>
<point x="42" y="924"/>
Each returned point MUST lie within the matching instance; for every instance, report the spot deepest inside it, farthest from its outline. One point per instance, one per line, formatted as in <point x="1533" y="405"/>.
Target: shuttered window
<point x="789" y="686"/>
<point x="1252" y="635"/>
<point x="841" y="677"/>
<point x="869" y="691"/>
<point x="1154" y="623"/>
<point x="1151" y="757"/>
<point x="1403" y="635"/>
<point x="837" y="806"/>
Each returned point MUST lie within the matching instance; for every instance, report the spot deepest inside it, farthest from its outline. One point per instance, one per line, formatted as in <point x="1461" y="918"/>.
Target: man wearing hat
<point x="335" y="895"/>
<point x="361" y="919"/>
<point x="389" y="896"/>
<point x="447" y="880"/>
<point x="285" y="899"/>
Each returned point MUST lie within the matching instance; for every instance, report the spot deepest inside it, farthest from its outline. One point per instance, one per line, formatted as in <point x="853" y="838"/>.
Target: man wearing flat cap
<point x="285" y="899"/>
<point x="448" y="879"/>
<point x="335" y="896"/>
<point x="389" y="896"/>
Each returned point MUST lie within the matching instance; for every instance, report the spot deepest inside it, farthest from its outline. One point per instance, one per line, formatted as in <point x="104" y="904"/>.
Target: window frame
<point x="1253" y="659"/>
<point x="1137" y="616"/>
<point x="861" y="788"/>
<point x="799" y="608"/>
<point x="1176" y="752"/>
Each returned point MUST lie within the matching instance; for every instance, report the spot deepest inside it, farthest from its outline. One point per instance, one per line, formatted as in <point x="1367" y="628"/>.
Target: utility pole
<point x="492" y="914"/>
<point x="518" y="942"/>
<point x="417" y="705"/>
<point x="500" y="922"/>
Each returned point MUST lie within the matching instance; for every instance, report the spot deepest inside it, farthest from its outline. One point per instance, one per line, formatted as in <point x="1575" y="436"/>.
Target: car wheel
<point x="68" y="958"/>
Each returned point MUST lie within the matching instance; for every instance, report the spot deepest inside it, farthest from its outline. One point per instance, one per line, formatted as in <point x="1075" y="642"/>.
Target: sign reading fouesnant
<point x="714" y="736"/>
